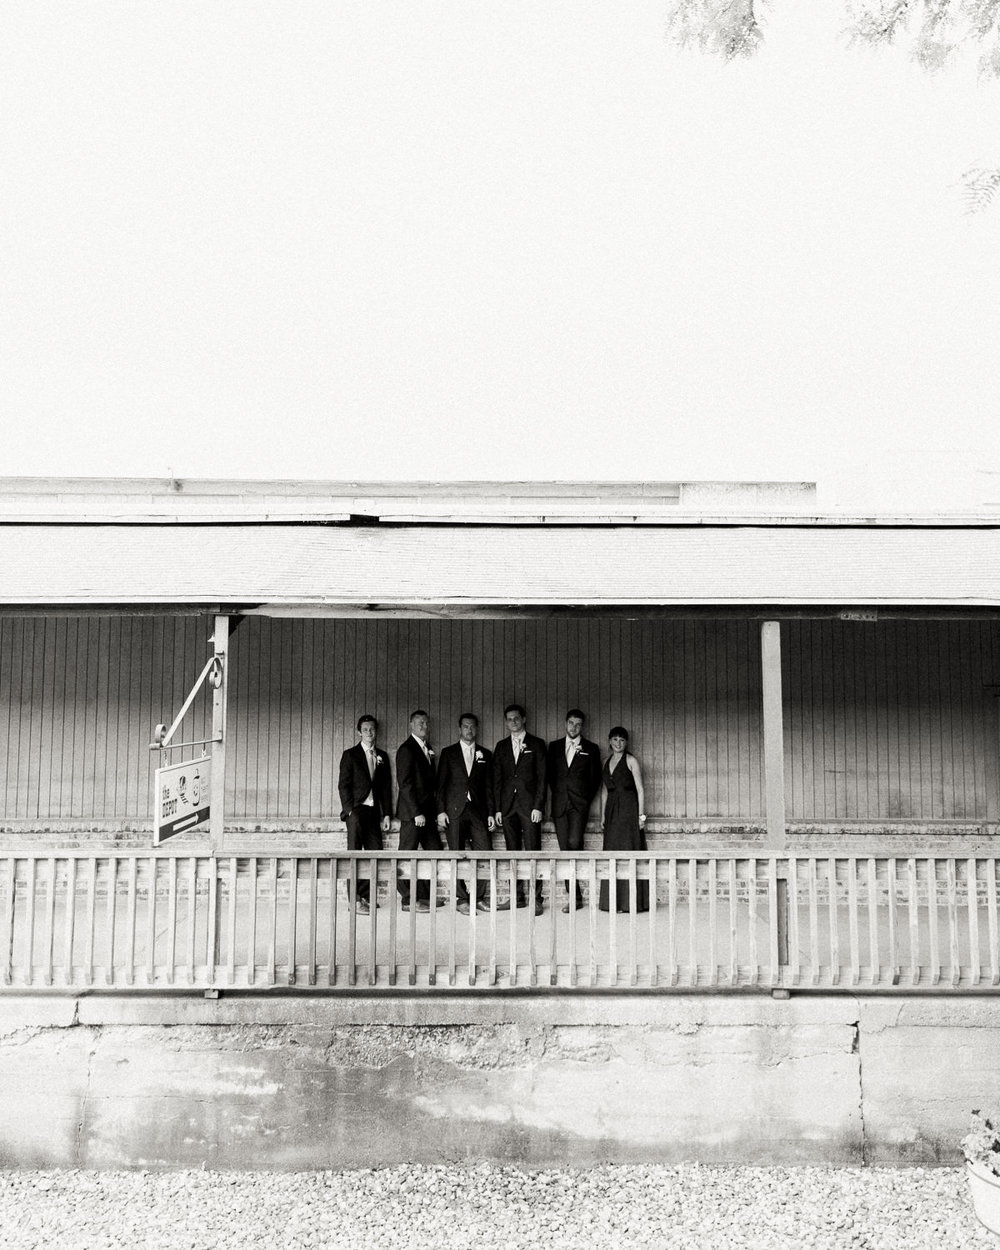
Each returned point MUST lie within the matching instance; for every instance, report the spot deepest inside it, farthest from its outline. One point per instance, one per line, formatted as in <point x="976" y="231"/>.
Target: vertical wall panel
<point x="890" y="720"/>
<point x="884" y="720"/>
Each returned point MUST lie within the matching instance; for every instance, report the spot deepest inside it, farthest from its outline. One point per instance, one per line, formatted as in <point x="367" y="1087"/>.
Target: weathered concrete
<point x="294" y="1082"/>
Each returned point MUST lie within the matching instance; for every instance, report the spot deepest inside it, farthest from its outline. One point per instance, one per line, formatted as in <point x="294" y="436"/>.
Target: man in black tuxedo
<point x="519" y="783"/>
<point x="416" y="804"/>
<point x="465" y="801"/>
<point x="573" y="773"/>
<point x="365" y="787"/>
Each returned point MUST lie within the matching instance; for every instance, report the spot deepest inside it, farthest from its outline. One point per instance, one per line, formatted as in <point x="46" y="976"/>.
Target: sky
<point x="430" y="240"/>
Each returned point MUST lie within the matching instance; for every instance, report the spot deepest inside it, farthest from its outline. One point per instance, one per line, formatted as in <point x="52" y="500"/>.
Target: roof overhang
<point x="417" y="568"/>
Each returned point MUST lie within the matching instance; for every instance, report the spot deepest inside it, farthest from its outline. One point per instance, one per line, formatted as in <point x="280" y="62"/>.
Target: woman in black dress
<point x="622" y="817"/>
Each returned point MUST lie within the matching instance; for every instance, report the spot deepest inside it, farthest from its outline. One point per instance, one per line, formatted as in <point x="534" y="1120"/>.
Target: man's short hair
<point x="362" y="720"/>
<point x="515" y="707"/>
<point x="575" y="712"/>
<point x="468" y="716"/>
<point x="419" y="712"/>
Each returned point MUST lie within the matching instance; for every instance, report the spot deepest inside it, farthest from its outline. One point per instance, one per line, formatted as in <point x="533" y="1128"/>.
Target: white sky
<point x="519" y="239"/>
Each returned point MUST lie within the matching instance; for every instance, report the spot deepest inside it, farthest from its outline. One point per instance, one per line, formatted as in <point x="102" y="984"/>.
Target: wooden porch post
<point x="774" y="738"/>
<point x="219" y="702"/>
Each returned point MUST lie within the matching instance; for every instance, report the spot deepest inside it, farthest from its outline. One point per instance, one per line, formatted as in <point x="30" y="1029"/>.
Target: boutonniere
<point x="378" y="759"/>
<point x="430" y="752"/>
<point x="479" y="757"/>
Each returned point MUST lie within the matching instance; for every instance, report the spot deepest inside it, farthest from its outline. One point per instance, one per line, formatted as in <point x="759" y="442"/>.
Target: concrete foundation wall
<point x="291" y="1082"/>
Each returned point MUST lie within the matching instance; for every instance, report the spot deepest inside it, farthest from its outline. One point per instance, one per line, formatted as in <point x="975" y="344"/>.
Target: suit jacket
<point x="356" y="783"/>
<point x="415" y="778"/>
<point x="573" y="787"/>
<point x="453" y="783"/>
<point x="522" y="787"/>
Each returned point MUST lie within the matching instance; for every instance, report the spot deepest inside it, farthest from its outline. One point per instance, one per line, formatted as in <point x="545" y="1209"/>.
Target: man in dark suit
<point x="365" y="787"/>
<point x="416" y="805"/>
<point x="573" y="773"/>
<point x="465" y="801"/>
<point x="519" y="783"/>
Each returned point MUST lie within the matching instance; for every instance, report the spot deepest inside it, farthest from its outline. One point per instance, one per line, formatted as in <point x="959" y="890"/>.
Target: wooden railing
<point x="164" y="920"/>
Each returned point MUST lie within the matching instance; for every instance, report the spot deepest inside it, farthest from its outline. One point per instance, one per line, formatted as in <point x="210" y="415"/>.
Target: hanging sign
<point x="182" y="798"/>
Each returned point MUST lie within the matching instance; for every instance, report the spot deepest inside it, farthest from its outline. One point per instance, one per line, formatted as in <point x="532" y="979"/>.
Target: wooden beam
<point x="219" y="707"/>
<point x="774" y="737"/>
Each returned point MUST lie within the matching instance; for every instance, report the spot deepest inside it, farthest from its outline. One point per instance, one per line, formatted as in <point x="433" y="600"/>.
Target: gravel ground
<point x="487" y="1206"/>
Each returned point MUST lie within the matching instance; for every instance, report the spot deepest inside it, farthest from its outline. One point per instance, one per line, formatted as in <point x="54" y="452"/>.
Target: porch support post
<point x="774" y="738"/>
<point x="219" y="705"/>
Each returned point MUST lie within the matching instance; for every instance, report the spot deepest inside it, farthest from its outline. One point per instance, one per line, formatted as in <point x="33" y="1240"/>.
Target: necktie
<point x="517" y="748"/>
<point x="570" y="752"/>
<point x="371" y="762"/>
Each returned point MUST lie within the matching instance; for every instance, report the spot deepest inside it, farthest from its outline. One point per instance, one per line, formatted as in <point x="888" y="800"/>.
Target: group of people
<point x="468" y="793"/>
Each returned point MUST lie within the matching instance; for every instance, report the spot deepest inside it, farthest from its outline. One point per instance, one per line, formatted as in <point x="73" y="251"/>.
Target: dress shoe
<point x="522" y="902"/>
<point x="463" y="908"/>
<point x="504" y="906"/>
<point x="482" y="905"/>
<point x="538" y="909"/>
<point x="439" y="902"/>
<point x="422" y="905"/>
<point x="362" y="908"/>
<point x="573" y="906"/>
<point x="404" y="906"/>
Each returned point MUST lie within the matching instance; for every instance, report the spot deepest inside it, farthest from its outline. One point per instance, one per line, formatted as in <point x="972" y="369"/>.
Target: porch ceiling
<point x="314" y="567"/>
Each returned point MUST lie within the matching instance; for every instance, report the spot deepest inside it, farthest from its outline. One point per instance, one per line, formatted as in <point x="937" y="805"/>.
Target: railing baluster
<point x="991" y="920"/>
<point x="493" y="884"/>
<point x="131" y="920"/>
<point x="932" y="920"/>
<point x="69" y="922"/>
<point x="852" y="918"/>
<point x="453" y="925"/>
<point x="812" y="867"/>
<point x="612" y="921"/>
<point x="633" y="903"/>
<point x="352" y="921"/>
<point x="50" y="922"/>
<point x="473" y="867"/>
<point x="251" y="920"/>
<point x="151" y="863"/>
<point x="272" y="937"/>
<point x="212" y="939"/>
<point x="231" y="934"/>
<point x="513" y="922"/>
<point x="654" y="972"/>
<point x="834" y="921"/>
<point x="109" y="974"/>
<point x="734" y="935"/>
<point x="8" y="922"/>
<point x="772" y="921"/>
<point x="291" y="976"/>
<point x="171" y="919"/>
<point x="331" y="971"/>
<point x="91" y="933"/>
<point x="414" y="882"/>
<point x="392" y="900"/>
<point x="29" y="922"/>
<point x="692" y="922"/>
<point x="373" y="923"/>
<point x="571" y="891"/>
<point x="794" y="943"/>
<point x="553" y="977"/>
<point x="752" y="899"/>
<point x="894" y="961"/>
<point x="972" y="904"/>
<point x="432" y="937"/>
<point x="713" y="908"/>
<point x="951" y="885"/>
<point x="532" y="959"/>
<point x="913" y="884"/>
<point x="594" y="900"/>
<point x="192" y="917"/>
<point x="876" y="964"/>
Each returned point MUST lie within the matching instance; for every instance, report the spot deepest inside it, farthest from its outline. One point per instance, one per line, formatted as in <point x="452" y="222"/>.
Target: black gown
<point x="622" y="832"/>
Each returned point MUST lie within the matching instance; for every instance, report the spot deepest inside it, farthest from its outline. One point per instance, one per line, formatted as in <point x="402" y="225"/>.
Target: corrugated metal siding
<point x="79" y="698"/>
<point x="688" y="692"/>
<point x="890" y="720"/>
<point x="468" y="565"/>
<point x="887" y="720"/>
